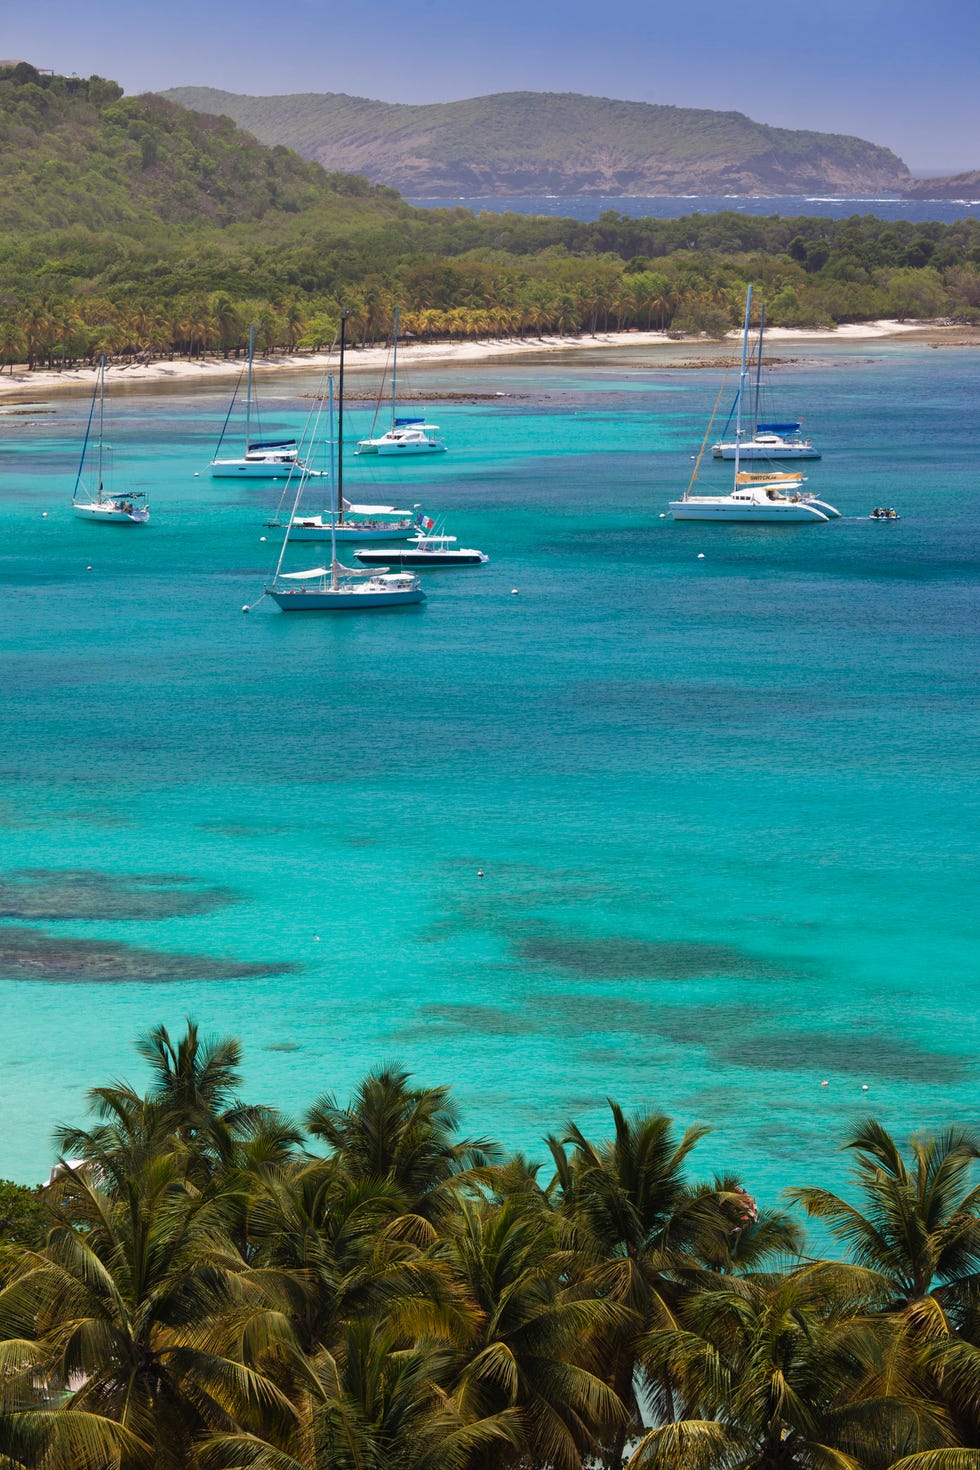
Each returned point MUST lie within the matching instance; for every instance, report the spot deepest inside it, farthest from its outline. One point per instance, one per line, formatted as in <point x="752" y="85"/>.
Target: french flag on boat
<point x="426" y="523"/>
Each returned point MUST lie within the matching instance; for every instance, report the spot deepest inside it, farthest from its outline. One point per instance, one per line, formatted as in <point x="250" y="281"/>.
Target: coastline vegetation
<point x="133" y="228"/>
<point x="220" y="1288"/>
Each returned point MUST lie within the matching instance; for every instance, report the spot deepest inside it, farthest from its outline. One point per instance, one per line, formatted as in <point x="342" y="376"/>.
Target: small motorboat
<point x="884" y="513"/>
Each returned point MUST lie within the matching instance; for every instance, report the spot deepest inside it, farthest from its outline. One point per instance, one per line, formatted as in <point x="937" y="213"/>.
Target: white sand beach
<point x="21" y="384"/>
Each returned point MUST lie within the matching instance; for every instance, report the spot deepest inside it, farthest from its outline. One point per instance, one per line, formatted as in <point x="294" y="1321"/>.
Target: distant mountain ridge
<point x="534" y="143"/>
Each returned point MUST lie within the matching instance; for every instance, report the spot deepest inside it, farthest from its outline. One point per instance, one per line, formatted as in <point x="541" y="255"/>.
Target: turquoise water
<point x="726" y="807"/>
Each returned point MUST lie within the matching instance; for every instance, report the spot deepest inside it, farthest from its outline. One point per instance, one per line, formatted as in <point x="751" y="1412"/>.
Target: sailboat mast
<point x="248" y="397"/>
<point x="333" y="481"/>
<point x="340" y="422"/>
<point x="101" y="420"/>
<point x="394" y="372"/>
<point x="741" y="379"/>
<point x="758" y="371"/>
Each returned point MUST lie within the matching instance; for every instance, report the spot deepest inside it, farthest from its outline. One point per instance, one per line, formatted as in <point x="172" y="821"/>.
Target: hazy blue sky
<point x="903" y="74"/>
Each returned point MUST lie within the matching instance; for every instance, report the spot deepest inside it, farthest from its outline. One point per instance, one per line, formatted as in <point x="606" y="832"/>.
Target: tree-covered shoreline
<point x="133" y="227"/>
<point x="221" y="1287"/>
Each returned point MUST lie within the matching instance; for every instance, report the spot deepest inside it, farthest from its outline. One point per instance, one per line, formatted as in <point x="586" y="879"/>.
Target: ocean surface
<point x="722" y="781"/>
<point x="574" y="206"/>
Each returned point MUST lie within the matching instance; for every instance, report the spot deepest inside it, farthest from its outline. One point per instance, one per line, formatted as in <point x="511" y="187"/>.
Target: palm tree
<point x="785" y="1373"/>
<point x="12" y="344"/>
<point x="920" y="1229"/>
<point x="641" y="1232"/>
<point x="917" y="1240"/>
<point x="189" y="1109"/>
<point x="388" y="1408"/>
<point x="535" y="1352"/>
<point x="140" y="1325"/>
<point x="405" y="1136"/>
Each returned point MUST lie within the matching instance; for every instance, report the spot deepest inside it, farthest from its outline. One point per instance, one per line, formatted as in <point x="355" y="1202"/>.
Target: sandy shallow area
<point x="20" y="385"/>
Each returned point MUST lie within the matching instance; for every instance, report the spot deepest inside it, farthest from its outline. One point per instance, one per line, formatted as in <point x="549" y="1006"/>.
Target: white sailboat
<point x="767" y="441"/>
<point x="263" y="459"/>
<point x="338" y="588"/>
<point x="776" y="498"/>
<point x="128" y="509"/>
<point x="407" y="437"/>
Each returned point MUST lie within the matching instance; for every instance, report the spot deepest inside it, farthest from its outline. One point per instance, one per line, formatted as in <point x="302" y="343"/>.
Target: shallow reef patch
<point x="30" y="954"/>
<point x="53" y="895"/>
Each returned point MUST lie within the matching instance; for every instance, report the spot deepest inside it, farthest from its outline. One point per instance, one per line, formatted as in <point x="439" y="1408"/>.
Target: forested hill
<point x="76" y="152"/>
<point x="555" y="142"/>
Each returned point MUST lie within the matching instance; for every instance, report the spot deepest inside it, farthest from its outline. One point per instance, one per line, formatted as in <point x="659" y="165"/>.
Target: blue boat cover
<point x="272" y="444"/>
<point x="779" y="428"/>
<point x="404" y="423"/>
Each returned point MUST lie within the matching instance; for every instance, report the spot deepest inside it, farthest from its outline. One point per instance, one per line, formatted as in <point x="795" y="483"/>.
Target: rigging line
<point x="381" y="389"/>
<point x="228" y="415"/>
<point x="707" y="433"/>
<point x="88" y="430"/>
<point x="304" y="452"/>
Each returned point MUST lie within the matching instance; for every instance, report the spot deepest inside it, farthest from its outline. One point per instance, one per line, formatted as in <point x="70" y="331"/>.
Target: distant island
<point x="954" y="186"/>
<point x="529" y="143"/>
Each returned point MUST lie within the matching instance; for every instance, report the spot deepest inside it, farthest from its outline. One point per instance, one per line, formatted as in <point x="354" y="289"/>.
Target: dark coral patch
<point x="618" y="958"/>
<point x="851" y="1053"/>
<point x="52" y="895"/>
<point x="30" y="954"/>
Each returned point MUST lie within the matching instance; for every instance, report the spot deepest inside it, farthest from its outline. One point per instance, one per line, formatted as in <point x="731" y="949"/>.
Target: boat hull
<point x="397" y="558"/>
<point x="406" y="451"/>
<point x="111" y="515"/>
<point x="353" y="601"/>
<point x="239" y="469"/>
<point x="766" y="451"/>
<point x="316" y="529"/>
<point x="776" y="513"/>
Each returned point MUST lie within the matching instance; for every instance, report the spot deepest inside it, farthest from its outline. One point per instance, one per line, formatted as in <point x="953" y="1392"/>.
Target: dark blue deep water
<point x="574" y="206"/>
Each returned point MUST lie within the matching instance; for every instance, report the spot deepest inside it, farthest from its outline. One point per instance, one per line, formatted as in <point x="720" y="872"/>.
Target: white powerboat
<point x="336" y="588"/>
<point x="776" y="498"/>
<point x="129" y="509"/>
<point x="407" y="436"/>
<point x="424" y="551"/>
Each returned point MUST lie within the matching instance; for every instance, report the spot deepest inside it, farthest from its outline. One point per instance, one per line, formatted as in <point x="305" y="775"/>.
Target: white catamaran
<point x="775" y="498"/>
<point x="407" y="437"/>
<point x="128" y="509"/>
<point x="766" y="441"/>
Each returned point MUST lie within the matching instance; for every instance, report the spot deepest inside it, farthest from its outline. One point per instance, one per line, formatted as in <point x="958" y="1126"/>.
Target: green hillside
<point x="76" y="151"/>
<point x="130" y="226"/>
<point x="554" y="142"/>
